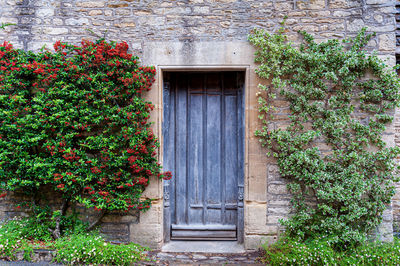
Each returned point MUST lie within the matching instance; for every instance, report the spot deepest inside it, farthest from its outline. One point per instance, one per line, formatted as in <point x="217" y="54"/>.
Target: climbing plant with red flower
<point x="75" y="120"/>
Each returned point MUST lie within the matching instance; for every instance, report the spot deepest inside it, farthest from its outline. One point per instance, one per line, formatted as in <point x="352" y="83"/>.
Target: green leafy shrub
<point x="75" y="121"/>
<point x="323" y="252"/>
<point x="92" y="249"/>
<point x="76" y="246"/>
<point x="339" y="97"/>
<point x="23" y="234"/>
<point x="36" y="226"/>
<point x="12" y="239"/>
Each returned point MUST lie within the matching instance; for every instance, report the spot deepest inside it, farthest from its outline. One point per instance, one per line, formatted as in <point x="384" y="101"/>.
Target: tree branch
<point x="57" y="231"/>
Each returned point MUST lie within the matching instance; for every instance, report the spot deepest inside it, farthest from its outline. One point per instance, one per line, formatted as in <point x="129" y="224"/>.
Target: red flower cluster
<point x="71" y="155"/>
<point x="57" y="177"/>
<point x="142" y="181"/>
<point x="166" y="175"/>
<point x="95" y="170"/>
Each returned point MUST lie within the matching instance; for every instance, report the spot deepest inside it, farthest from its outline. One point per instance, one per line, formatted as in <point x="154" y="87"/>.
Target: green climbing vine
<point x="341" y="97"/>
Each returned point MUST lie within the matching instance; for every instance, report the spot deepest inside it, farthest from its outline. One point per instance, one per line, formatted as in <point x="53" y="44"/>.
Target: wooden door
<point x="203" y="148"/>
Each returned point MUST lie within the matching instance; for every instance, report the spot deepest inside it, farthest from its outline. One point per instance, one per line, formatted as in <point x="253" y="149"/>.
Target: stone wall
<point x="192" y="34"/>
<point x="42" y="22"/>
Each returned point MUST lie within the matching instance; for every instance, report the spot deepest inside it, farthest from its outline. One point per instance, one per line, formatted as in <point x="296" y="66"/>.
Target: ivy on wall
<point x="74" y="120"/>
<point x="342" y="97"/>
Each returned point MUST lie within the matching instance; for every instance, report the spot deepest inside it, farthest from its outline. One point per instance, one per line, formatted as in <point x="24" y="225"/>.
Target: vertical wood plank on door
<point x="230" y="165"/>
<point x="195" y="149"/>
<point x="213" y="143"/>
<point x="181" y="148"/>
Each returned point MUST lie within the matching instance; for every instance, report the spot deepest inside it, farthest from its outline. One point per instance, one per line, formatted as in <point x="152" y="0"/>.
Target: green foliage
<point x="92" y="249"/>
<point x="37" y="225"/>
<point x="12" y="240"/>
<point x="340" y="97"/>
<point x="76" y="246"/>
<point x="75" y="121"/>
<point x="25" y="234"/>
<point x="322" y="252"/>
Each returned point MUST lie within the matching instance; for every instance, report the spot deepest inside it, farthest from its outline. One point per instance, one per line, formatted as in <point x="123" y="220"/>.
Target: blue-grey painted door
<point x="203" y="133"/>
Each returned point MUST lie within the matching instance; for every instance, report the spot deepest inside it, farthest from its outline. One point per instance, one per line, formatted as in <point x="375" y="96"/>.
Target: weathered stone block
<point x="91" y="4"/>
<point x="253" y="242"/>
<point x="6" y="20"/>
<point x="114" y="227"/>
<point x="277" y="189"/>
<point x="308" y="28"/>
<point x="45" y="12"/>
<point x="284" y="6"/>
<point x="341" y="13"/>
<point x="257" y="188"/>
<point x="273" y="173"/>
<point x="387" y="42"/>
<point x="123" y="12"/>
<point x="126" y="23"/>
<point x="96" y="12"/>
<point x="315" y="4"/>
<point x="120" y="219"/>
<point x="152" y="21"/>
<point x="355" y="25"/>
<point x="376" y="2"/>
<point x="380" y="28"/>
<point x="77" y="21"/>
<point x="146" y="234"/>
<point x="55" y="31"/>
<point x="285" y="210"/>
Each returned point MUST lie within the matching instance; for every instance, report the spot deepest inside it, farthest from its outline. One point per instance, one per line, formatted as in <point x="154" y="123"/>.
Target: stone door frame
<point x="260" y="224"/>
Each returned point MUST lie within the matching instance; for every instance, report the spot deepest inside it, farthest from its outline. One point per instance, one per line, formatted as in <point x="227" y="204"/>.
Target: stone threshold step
<point x="204" y="247"/>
